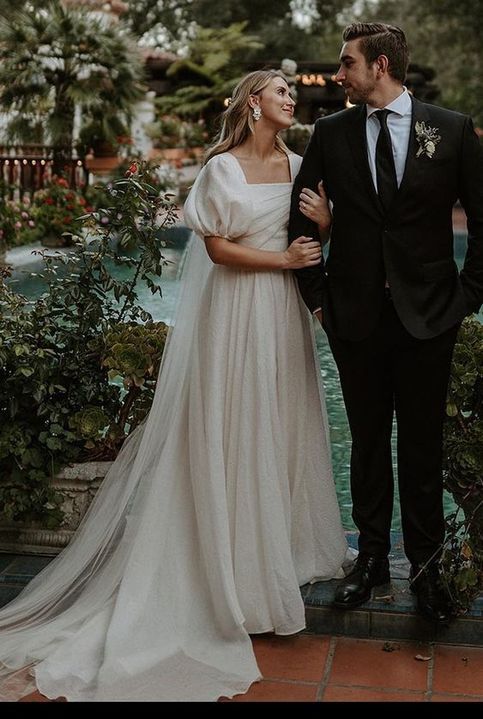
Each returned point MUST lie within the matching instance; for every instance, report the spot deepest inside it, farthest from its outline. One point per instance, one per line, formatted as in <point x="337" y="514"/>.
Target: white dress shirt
<point x="399" y="126"/>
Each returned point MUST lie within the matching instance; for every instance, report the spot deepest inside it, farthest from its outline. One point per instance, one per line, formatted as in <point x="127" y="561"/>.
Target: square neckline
<point x="260" y="184"/>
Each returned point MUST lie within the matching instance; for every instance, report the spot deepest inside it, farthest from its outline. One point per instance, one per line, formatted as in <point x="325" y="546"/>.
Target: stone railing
<point x="27" y="168"/>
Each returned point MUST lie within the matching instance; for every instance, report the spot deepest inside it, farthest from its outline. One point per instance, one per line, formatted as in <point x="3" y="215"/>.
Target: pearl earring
<point x="257" y="113"/>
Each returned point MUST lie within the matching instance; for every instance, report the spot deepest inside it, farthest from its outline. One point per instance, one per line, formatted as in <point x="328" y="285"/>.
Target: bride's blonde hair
<point x="237" y="120"/>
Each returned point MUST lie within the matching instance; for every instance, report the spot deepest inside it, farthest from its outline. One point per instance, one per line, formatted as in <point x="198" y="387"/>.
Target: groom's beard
<point x="361" y="95"/>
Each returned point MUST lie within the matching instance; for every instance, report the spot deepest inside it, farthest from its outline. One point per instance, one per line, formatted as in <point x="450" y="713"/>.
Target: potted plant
<point x="101" y="140"/>
<point x="61" y="359"/>
<point x="167" y="134"/>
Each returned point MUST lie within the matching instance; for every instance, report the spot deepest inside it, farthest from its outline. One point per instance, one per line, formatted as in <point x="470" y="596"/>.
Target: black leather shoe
<point x="432" y="599"/>
<point x="367" y="573"/>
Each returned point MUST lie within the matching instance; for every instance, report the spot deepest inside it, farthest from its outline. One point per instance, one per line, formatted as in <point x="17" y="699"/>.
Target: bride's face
<point x="276" y="103"/>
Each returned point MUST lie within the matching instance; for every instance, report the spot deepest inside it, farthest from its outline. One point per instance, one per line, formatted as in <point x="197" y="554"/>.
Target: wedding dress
<point x="217" y="509"/>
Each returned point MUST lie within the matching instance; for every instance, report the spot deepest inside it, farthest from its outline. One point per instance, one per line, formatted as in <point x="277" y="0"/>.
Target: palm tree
<point x="54" y="60"/>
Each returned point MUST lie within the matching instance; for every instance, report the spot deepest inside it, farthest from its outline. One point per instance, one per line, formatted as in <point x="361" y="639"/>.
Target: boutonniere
<point x="427" y="138"/>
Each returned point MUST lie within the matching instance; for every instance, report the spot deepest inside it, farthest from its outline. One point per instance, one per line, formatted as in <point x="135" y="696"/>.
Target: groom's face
<point x="355" y="75"/>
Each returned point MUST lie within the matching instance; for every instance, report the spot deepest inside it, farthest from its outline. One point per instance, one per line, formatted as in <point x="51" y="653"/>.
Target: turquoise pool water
<point x="164" y="309"/>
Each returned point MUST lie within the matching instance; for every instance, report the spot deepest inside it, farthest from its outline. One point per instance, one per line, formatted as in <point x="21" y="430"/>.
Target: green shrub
<point x="60" y="354"/>
<point x="462" y="559"/>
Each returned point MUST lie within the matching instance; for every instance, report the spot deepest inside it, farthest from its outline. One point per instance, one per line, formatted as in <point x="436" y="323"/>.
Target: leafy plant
<point x="17" y="223"/>
<point x="58" y="403"/>
<point x="172" y="131"/>
<point x="57" y="210"/>
<point x="213" y="65"/>
<point x="463" y="470"/>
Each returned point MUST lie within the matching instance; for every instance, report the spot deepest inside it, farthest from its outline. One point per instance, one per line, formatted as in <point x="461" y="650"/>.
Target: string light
<point x="312" y="79"/>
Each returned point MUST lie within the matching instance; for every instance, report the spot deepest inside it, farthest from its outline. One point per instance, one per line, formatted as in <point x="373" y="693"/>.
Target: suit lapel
<point x="357" y="137"/>
<point x="419" y="113"/>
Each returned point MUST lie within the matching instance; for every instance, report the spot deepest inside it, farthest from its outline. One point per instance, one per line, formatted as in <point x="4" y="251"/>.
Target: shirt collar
<point x="401" y="105"/>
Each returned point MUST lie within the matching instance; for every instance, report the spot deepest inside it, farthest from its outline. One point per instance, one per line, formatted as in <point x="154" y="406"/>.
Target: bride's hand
<point x="303" y="252"/>
<point x="316" y="206"/>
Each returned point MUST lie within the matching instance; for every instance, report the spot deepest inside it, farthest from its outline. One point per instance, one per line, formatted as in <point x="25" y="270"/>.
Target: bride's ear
<point x="253" y="101"/>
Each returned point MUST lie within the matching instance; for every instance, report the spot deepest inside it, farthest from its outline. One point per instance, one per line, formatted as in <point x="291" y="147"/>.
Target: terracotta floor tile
<point x="363" y="694"/>
<point x="458" y="670"/>
<point x="300" y="658"/>
<point x="363" y="662"/>
<point x="455" y="698"/>
<point x="38" y="697"/>
<point x="267" y="691"/>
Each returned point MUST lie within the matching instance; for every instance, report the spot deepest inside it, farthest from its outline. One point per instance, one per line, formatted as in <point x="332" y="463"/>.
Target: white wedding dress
<point x="216" y="509"/>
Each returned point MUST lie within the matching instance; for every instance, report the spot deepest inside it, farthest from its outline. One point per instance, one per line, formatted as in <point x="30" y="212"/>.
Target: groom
<point x="390" y="296"/>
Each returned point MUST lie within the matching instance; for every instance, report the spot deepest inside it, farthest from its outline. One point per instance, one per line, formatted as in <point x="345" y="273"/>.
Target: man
<point x="390" y="297"/>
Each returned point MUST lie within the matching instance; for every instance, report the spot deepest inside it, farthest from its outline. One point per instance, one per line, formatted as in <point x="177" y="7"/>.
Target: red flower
<point x="133" y="168"/>
<point x="48" y="201"/>
<point x="67" y="220"/>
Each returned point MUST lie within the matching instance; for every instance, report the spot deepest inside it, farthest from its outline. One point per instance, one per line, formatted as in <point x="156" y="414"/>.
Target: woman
<point x="223" y="503"/>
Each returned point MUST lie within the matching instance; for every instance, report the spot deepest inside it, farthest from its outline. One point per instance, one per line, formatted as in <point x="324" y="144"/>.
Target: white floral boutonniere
<point x="427" y="138"/>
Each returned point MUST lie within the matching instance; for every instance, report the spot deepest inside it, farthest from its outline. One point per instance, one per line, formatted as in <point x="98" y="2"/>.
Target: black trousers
<point x="389" y="372"/>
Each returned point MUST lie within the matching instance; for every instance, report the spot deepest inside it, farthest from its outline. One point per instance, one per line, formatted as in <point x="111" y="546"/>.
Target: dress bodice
<point x="223" y="203"/>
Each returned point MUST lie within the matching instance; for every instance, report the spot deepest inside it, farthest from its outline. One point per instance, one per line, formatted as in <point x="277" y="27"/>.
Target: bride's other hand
<point x="316" y="206"/>
<point x="303" y="252"/>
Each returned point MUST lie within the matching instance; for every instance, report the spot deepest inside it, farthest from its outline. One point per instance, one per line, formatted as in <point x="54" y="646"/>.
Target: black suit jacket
<point x="411" y="245"/>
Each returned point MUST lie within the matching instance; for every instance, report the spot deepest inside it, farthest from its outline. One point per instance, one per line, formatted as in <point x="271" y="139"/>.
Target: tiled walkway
<point x="310" y="668"/>
<point x="332" y="669"/>
<point x="326" y="667"/>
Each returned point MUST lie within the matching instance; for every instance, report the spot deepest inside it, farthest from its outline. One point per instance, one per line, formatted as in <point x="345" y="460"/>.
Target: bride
<point x="222" y="504"/>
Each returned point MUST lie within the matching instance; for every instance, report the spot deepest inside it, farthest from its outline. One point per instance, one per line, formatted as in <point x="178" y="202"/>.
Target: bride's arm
<point x="303" y="252"/>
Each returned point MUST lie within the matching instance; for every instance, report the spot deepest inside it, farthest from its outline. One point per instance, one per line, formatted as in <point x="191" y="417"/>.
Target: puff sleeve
<point x="217" y="204"/>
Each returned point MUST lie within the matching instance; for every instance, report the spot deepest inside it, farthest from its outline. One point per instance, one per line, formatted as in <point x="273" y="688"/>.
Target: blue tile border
<point x="390" y="613"/>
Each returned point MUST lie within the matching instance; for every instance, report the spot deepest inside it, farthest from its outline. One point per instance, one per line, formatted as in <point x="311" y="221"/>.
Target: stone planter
<point x="174" y="155"/>
<point x="78" y="485"/>
<point x="102" y="165"/>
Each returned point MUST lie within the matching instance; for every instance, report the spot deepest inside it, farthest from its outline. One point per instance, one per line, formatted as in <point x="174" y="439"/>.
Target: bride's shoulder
<point x="219" y="158"/>
<point x="295" y="159"/>
<point x="218" y="163"/>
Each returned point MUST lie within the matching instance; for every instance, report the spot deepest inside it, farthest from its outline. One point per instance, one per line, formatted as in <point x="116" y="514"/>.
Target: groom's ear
<point x="382" y="65"/>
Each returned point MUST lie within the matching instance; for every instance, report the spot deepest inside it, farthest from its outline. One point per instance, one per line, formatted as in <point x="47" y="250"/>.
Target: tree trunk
<point x="64" y="112"/>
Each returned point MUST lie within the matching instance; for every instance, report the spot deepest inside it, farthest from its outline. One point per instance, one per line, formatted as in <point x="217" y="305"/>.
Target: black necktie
<point x="385" y="168"/>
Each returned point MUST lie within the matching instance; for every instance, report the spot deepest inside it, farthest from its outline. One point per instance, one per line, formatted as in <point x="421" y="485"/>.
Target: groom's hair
<point x="377" y="38"/>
